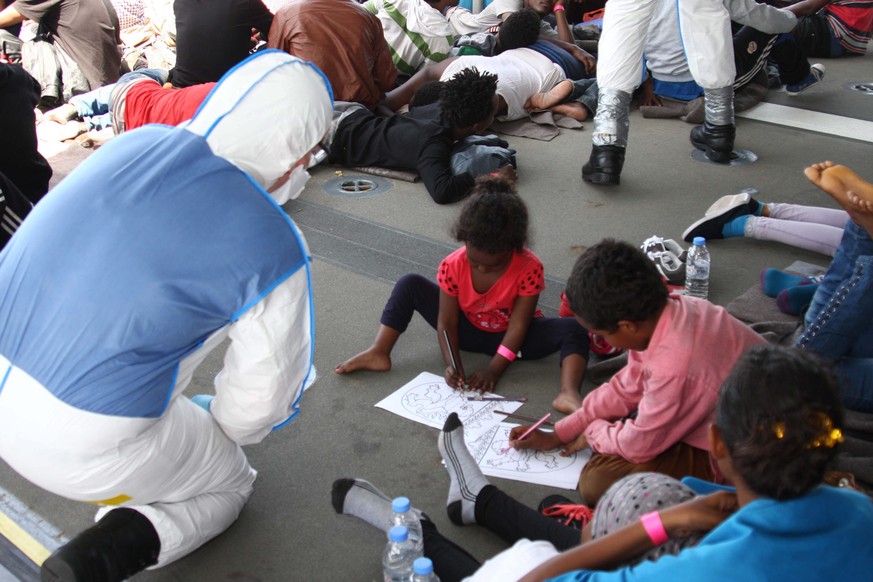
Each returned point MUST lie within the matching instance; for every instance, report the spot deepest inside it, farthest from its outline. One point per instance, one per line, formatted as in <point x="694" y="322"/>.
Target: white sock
<point x="467" y="479"/>
<point x="363" y="500"/>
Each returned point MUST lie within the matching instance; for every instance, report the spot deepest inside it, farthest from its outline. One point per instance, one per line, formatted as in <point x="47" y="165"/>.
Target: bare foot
<point x="367" y="360"/>
<point x="575" y="110"/>
<point x="861" y="205"/>
<point x="839" y="182"/>
<point x="542" y="101"/>
<point x="53" y="131"/>
<point x="851" y="182"/>
<point x="62" y="114"/>
<point x="814" y="172"/>
<point x="851" y="191"/>
<point x="567" y="402"/>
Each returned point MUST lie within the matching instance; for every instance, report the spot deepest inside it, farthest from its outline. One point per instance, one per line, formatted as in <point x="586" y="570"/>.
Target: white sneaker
<point x="657" y="244"/>
<point x="668" y="256"/>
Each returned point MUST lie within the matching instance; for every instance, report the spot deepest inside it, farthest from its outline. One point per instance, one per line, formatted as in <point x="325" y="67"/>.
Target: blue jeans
<point x="93" y="106"/>
<point x="839" y="322"/>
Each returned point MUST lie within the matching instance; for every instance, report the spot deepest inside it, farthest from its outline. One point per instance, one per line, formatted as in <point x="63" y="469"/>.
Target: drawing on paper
<point x="542" y="467"/>
<point x="432" y="402"/>
<point x="429" y="400"/>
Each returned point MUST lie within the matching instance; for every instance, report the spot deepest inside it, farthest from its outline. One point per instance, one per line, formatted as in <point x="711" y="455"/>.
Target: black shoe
<point x="118" y="546"/>
<point x="604" y="165"/>
<point x="716" y="141"/>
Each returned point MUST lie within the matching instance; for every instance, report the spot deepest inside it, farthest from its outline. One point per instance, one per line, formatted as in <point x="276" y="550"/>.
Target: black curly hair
<point x="614" y="281"/>
<point x="426" y="94"/>
<point x="780" y="415"/>
<point x="468" y="97"/>
<point x="494" y="219"/>
<point x="520" y="29"/>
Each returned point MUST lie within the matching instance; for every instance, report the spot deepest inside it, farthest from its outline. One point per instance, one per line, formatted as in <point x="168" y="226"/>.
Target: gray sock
<point x="467" y="479"/>
<point x="361" y="499"/>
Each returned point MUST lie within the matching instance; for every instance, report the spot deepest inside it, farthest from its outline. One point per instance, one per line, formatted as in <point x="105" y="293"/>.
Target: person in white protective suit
<point x="706" y="34"/>
<point x="164" y="243"/>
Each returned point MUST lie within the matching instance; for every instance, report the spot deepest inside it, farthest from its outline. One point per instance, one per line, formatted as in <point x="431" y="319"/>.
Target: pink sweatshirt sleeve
<point x="613" y="400"/>
<point x="668" y="412"/>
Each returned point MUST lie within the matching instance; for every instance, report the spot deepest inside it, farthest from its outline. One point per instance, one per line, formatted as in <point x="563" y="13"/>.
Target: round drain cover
<point x="357" y="186"/>
<point x="865" y="87"/>
<point x="738" y="158"/>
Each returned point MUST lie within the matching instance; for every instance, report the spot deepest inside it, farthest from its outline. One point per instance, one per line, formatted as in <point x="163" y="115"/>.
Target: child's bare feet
<point x="837" y="181"/>
<point x="54" y="131"/>
<point x="567" y="402"/>
<point x="62" y="114"/>
<point x="814" y="172"/>
<point x="371" y="359"/>
<point x="860" y="204"/>
<point x="575" y="110"/>
<point x="542" y="101"/>
<point x="851" y="191"/>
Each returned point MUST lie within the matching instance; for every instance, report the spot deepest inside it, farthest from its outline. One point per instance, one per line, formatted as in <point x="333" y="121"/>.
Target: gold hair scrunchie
<point x="829" y="436"/>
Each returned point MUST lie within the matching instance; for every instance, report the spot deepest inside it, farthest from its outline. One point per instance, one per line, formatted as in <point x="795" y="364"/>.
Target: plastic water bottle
<point x="422" y="571"/>
<point x="398" y="556"/>
<point x="403" y="515"/>
<point x="697" y="269"/>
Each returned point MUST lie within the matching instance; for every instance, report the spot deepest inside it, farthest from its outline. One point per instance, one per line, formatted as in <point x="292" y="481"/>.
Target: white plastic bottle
<point x="398" y="556"/>
<point x="403" y="515"/>
<point x="422" y="571"/>
<point x="697" y="269"/>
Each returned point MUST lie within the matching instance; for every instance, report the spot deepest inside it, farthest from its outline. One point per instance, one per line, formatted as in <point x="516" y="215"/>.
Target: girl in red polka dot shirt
<point x="485" y="300"/>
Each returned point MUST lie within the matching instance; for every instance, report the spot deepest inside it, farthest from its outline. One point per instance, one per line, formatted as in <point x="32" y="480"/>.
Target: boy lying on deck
<point x="422" y="141"/>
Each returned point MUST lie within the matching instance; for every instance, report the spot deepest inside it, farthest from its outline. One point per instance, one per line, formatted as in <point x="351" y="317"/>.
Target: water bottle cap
<point x="398" y="533"/>
<point x="422" y="566"/>
<point x="699" y="241"/>
<point x="401" y="505"/>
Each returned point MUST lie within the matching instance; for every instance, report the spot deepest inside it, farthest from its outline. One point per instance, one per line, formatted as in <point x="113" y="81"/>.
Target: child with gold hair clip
<point x="778" y="427"/>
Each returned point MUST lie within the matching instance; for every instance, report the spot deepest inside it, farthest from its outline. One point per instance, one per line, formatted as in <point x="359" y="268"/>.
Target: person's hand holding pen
<point x="455" y="378"/>
<point x="454" y="374"/>
<point x="538" y="440"/>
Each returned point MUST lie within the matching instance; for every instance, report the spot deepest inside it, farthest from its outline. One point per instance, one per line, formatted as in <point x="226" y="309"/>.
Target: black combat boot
<point x="118" y="546"/>
<point x="716" y="141"/>
<point x="604" y="165"/>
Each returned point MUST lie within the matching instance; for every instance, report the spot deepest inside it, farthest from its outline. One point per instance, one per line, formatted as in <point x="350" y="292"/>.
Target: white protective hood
<point x="265" y="114"/>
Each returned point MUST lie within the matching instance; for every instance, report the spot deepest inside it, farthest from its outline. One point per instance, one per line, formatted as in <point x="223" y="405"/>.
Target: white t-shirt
<point x="521" y="73"/>
<point x="465" y="22"/>
<point x="514" y="562"/>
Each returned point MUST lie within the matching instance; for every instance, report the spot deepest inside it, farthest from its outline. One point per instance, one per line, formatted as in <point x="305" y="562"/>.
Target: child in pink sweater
<point x="654" y="414"/>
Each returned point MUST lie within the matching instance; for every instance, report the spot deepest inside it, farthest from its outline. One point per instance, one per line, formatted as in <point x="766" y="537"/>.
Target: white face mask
<point x="293" y="187"/>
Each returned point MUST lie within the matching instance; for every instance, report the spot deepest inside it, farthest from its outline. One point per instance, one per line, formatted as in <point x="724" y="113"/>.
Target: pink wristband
<point x="506" y="353"/>
<point x="558" y="8"/>
<point x="654" y="527"/>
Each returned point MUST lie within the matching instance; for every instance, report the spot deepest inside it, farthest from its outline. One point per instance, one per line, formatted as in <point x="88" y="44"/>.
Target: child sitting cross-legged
<point x="485" y="299"/>
<point x="654" y="414"/>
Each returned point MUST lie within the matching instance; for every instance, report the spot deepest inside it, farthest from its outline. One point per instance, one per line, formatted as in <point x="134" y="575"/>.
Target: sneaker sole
<point x="708" y="217"/>
<point x="727" y="203"/>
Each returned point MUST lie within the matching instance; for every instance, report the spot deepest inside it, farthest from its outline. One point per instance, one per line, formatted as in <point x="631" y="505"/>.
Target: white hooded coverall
<point x="151" y="253"/>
